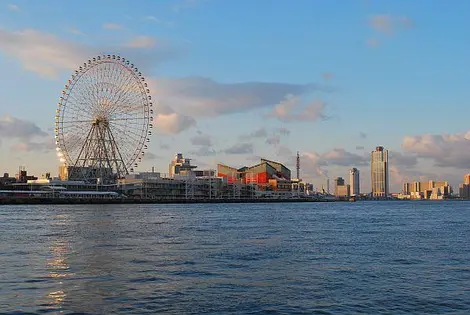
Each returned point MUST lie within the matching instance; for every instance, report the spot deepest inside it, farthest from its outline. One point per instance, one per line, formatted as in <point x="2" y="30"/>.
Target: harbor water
<point x="326" y="258"/>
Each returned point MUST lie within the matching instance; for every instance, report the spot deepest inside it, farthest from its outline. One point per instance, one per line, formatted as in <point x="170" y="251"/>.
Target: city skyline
<point x="230" y="92"/>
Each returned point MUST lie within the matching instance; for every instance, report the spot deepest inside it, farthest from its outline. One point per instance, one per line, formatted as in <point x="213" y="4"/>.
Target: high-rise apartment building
<point x="379" y="172"/>
<point x="354" y="181"/>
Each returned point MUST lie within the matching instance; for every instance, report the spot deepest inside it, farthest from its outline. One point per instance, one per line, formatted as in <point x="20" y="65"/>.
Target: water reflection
<point x="189" y="259"/>
<point x="57" y="266"/>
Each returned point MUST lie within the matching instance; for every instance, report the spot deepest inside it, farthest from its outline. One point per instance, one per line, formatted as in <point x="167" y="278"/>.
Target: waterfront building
<point x="341" y="189"/>
<point x="180" y="166"/>
<point x="354" y="182"/>
<point x="427" y="190"/>
<point x="379" y="172"/>
<point x="464" y="189"/>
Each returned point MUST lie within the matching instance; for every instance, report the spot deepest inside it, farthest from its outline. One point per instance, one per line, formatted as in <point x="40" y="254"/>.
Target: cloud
<point x="446" y="150"/>
<point x="286" y="110"/>
<point x="203" y="151"/>
<point x="315" y="164"/>
<point x="388" y="24"/>
<point x="342" y="157"/>
<point x="32" y="146"/>
<point x="11" y="127"/>
<point x="400" y="159"/>
<point x="282" y="131"/>
<point x="142" y="42"/>
<point x="112" y="26"/>
<point x="170" y="122"/>
<point x="75" y="31"/>
<point x="284" y="151"/>
<point x="40" y="52"/>
<point x="151" y="156"/>
<point x="198" y="96"/>
<point x="23" y="132"/>
<point x="312" y="164"/>
<point x="13" y="7"/>
<point x="240" y="148"/>
<point x="164" y="146"/>
<point x="48" y="55"/>
<point x="273" y="140"/>
<point x="258" y="133"/>
<point x="201" y="140"/>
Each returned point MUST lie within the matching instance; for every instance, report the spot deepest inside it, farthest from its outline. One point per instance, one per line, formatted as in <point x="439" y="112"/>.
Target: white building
<point x="354" y="183"/>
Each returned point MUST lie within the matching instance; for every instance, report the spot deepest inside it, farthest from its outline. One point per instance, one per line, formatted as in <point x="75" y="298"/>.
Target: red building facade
<point x="260" y="173"/>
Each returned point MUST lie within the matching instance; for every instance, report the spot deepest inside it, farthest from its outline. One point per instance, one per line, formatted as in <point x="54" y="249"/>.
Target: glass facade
<point x="379" y="172"/>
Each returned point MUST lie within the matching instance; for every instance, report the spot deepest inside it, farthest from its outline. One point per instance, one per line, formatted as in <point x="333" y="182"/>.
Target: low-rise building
<point x="433" y="190"/>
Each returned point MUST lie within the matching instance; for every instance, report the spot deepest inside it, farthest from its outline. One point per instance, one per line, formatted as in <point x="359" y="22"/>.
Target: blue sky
<point x="340" y="76"/>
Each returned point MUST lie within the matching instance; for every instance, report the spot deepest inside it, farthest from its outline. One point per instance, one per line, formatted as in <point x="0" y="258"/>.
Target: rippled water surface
<point x="326" y="258"/>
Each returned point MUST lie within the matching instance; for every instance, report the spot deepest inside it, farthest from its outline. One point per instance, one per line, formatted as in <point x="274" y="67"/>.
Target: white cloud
<point x="199" y="96"/>
<point x="142" y="42"/>
<point x="173" y="122"/>
<point x="48" y="55"/>
<point x="288" y="110"/>
<point x="341" y="157"/>
<point x="26" y="135"/>
<point x="42" y="53"/>
<point x="32" y="146"/>
<point x="446" y="150"/>
<point x="11" y="127"/>
<point x="112" y="26"/>
<point x="13" y="7"/>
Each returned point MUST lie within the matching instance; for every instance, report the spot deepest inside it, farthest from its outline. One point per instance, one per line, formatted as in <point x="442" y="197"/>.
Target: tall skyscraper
<point x="354" y="182"/>
<point x="379" y="172"/>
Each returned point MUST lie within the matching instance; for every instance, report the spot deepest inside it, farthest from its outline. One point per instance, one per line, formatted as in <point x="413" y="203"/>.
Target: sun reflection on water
<point x="57" y="266"/>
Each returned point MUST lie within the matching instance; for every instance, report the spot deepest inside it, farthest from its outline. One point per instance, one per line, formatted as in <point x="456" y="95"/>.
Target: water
<point x="325" y="258"/>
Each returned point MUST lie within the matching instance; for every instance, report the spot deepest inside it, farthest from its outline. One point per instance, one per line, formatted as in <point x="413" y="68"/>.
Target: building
<point x="464" y="189"/>
<point x="341" y="189"/>
<point x="466" y="179"/>
<point x="266" y="175"/>
<point x="379" y="172"/>
<point x="180" y="166"/>
<point x="427" y="190"/>
<point x="354" y="183"/>
<point x="92" y="175"/>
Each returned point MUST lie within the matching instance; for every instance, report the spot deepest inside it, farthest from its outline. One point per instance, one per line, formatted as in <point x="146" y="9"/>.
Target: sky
<point x="237" y="80"/>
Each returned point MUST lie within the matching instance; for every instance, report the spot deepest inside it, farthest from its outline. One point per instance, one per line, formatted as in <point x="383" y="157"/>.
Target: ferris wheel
<point x="103" y="119"/>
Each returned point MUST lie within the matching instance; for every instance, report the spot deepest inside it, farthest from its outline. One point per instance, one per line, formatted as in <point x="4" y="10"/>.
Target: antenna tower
<point x="297" y="165"/>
